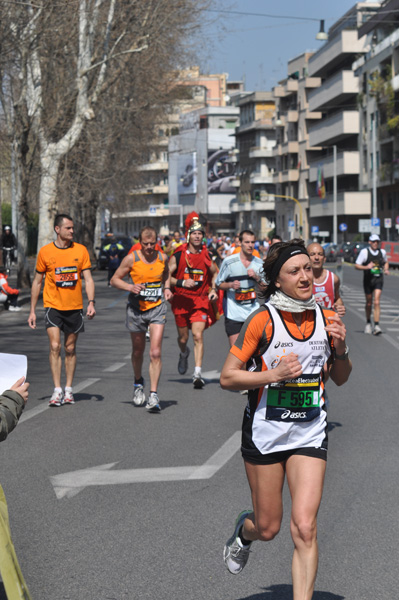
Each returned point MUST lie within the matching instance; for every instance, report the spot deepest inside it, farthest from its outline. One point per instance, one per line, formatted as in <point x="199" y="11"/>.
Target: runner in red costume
<point x="193" y="278"/>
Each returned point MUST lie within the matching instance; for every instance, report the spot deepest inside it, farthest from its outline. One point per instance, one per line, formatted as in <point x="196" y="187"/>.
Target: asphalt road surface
<point x="108" y="502"/>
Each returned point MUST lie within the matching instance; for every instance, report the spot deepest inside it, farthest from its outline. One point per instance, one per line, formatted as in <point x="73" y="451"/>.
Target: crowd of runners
<point x="282" y="312"/>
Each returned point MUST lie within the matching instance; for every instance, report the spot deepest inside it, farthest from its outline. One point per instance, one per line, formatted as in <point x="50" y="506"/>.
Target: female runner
<point x="289" y="346"/>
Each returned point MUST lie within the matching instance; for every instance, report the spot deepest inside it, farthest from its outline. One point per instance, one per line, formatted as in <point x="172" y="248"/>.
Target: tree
<point x="60" y="62"/>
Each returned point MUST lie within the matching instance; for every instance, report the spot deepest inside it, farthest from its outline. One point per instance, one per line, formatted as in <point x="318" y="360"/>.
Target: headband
<point x="286" y="254"/>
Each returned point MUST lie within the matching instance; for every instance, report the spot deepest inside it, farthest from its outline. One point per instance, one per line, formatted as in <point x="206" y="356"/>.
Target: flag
<point x="321" y="188"/>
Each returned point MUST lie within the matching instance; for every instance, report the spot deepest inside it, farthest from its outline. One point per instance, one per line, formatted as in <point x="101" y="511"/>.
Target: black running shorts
<point x="69" y="321"/>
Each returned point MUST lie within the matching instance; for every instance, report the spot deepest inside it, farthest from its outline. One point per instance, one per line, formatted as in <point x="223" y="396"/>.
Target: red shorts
<point x="186" y="311"/>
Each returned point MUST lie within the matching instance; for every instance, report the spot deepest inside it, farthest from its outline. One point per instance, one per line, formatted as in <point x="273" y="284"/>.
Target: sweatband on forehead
<point x="286" y="254"/>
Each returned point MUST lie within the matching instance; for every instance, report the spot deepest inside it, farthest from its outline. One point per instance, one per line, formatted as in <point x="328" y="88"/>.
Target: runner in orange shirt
<point x="149" y="287"/>
<point x="63" y="262"/>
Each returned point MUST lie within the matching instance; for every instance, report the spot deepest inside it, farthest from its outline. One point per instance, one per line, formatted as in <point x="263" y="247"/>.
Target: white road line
<point x="128" y="356"/>
<point x="39" y="409"/>
<point x="69" y="484"/>
<point x="114" y="367"/>
<point x="392" y="329"/>
<point x="386" y="337"/>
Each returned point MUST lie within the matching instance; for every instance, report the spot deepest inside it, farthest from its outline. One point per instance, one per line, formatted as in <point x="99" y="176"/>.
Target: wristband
<point x="179" y="283"/>
<point x="166" y="288"/>
<point x="91" y="301"/>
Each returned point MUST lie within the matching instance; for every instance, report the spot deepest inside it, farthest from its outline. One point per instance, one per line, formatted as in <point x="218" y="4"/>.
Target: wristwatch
<point x="343" y="356"/>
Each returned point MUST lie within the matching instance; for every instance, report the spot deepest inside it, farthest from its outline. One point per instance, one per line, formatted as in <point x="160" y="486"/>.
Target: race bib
<point x="152" y="291"/>
<point x="66" y="277"/>
<point x="245" y="295"/>
<point x="294" y="400"/>
<point x="196" y="275"/>
<point x="376" y="271"/>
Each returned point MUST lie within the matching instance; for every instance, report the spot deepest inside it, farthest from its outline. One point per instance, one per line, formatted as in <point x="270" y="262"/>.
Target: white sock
<point x="197" y="371"/>
<point x="58" y="390"/>
<point x="68" y="389"/>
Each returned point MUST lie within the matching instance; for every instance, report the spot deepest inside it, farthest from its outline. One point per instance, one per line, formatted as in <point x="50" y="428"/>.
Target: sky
<point x="257" y="48"/>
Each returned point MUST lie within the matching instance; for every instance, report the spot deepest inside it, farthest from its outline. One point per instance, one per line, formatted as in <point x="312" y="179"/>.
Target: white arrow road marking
<point x="69" y="484"/>
<point x="114" y="367"/>
<point x="211" y="374"/>
<point x="39" y="409"/>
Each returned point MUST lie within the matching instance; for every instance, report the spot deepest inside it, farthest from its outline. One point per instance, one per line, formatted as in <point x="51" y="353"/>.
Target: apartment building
<point x="255" y="140"/>
<point x="336" y="135"/>
<point x="293" y="151"/>
<point x="378" y="72"/>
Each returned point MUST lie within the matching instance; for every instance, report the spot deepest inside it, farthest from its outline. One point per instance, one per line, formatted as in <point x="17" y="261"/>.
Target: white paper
<point x="12" y="368"/>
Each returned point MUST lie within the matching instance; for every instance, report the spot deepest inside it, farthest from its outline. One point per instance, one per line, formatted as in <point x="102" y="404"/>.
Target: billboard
<point x="221" y="170"/>
<point x="187" y="173"/>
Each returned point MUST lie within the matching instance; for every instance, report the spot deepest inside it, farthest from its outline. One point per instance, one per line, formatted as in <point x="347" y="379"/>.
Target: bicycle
<point x="7" y="259"/>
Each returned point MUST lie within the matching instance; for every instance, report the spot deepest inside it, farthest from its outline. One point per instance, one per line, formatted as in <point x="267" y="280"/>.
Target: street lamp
<point x="322" y="35"/>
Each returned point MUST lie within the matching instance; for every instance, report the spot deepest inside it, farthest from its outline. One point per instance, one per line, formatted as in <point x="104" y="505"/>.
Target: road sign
<point x="323" y="234"/>
<point x="153" y="210"/>
<point x="375" y="222"/>
<point x="291" y="224"/>
<point x="315" y="230"/>
<point x="364" y="225"/>
<point x="343" y="227"/>
<point x="388" y="223"/>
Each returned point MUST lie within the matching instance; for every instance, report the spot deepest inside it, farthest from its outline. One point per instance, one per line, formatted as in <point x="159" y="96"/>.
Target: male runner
<point x="238" y="276"/>
<point x="63" y="262"/>
<point x="374" y="264"/>
<point x="149" y="288"/>
<point x="325" y="283"/>
<point x="193" y="278"/>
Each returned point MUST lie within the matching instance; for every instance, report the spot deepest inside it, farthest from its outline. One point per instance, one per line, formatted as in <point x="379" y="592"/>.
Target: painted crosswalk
<point x="389" y="319"/>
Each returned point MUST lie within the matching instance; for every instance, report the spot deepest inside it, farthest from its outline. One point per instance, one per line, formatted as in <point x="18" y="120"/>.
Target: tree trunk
<point x="50" y="163"/>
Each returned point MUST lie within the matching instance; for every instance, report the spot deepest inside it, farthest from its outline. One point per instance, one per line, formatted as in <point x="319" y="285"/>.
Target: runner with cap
<point x="193" y="276"/>
<point x="374" y="264"/>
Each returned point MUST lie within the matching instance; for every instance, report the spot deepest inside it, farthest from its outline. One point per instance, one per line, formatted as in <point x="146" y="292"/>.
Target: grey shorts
<point x="138" y="321"/>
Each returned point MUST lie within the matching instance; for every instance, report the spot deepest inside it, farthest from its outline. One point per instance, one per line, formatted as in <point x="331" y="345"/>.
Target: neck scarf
<point x="283" y="302"/>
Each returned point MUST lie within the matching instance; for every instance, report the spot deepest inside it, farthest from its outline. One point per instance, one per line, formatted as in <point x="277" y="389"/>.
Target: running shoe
<point x="377" y="330"/>
<point x="367" y="329"/>
<point x="14" y="308"/>
<point x="182" y="365"/>
<point x="198" y="382"/>
<point x="153" y="403"/>
<point x="138" y="394"/>
<point x="235" y="555"/>
<point x="57" y="399"/>
<point x="68" y="397"/>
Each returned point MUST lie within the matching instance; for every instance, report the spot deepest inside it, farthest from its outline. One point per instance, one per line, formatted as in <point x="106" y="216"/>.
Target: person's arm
<point x="187" y="283"/>
<point x="338" y="302"/>
<point x="166" y="280"/>
<point x="34" y="297"/>
<point x="360" y="260"/>
<point x="122" y="271"/>
<point x="233" y="377"/>
<point x="213" y="292"/>
<point x="12" y="403"/>
<point x="386" y="265"/>
<point x="341" y="367"/>
<point x="90" y="293"/>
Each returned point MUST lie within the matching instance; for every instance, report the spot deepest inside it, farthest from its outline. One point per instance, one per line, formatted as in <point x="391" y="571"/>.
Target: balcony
<point x="288" y="88"/>
<point x="334" y="90"/>
<point x="312" y="82"/>
<point x="348" y="163"/>
<point x="255" y="205"/>
<point x="348" y="203"/>
<point x="292" y="116"/>
<point x="155" y="166"/>
<point x="260" y="178"/>
<point x="290" y="147"/>
<point x="333" y="52"/>
<point x="290" y="175"/>
<point x="334" y="128"/>
<point x="259" y="152"/>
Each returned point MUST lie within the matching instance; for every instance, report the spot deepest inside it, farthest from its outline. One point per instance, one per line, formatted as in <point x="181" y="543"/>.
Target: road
<point x="108" y="502"/>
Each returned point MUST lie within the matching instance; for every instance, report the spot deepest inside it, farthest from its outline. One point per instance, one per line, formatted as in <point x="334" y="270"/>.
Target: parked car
<point x="102" y="258"/>
<point x="340" y="251"/>
<point x="392" y="250"/>
<point x="330" y="251"/>
<point x="354" y="250"/>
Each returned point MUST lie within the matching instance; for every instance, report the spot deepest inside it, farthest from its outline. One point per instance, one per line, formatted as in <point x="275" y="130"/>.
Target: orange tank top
<point x="150" y="275"/>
